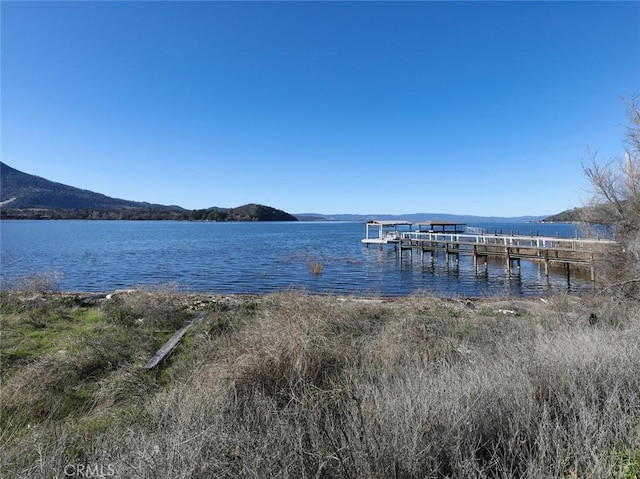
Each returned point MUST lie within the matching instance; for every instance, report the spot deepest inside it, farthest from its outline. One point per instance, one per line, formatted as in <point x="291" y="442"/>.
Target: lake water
<point x="265" y="257"/>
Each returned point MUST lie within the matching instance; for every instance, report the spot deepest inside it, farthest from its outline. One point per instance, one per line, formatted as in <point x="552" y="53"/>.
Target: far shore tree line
<point x="91" y="214"/>
<point x="111" y="214"/>
<point x="212" y="214"/>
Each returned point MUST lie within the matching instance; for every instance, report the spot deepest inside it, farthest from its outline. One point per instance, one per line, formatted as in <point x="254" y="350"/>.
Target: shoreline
<point x="89" y="298"/>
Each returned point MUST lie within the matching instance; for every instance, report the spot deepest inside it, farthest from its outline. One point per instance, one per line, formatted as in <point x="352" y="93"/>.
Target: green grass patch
<point x="627" y="463"/>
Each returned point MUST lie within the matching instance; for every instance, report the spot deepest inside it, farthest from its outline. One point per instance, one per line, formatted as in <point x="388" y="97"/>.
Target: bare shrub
<point x="615" y="202"/>
<point x="27" y="292"/>
<point x="36" y="284"/>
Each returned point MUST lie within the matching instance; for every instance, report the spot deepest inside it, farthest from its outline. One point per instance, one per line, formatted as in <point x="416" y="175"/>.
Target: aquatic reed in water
<point x="315" y="267"/>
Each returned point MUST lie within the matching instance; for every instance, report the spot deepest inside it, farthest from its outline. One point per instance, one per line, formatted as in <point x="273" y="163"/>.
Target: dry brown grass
<point x="293" y="385"/>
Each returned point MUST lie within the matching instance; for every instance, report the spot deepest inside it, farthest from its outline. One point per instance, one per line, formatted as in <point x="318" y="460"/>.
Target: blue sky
<point x="328" y="107"/>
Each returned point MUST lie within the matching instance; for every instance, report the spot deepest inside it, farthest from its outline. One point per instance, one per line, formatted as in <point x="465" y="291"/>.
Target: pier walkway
<point x="452" y="240"/>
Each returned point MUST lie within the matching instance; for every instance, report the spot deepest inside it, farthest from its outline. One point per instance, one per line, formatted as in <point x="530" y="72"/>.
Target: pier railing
<point x="538" y="242"/>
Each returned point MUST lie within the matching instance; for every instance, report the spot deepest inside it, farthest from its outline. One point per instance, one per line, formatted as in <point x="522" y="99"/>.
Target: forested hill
<point x="25" y="196"/>
<point x="568" y="216"/>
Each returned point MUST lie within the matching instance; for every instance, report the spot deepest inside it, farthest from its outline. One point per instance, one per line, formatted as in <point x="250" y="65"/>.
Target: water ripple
<point x="247" y="258"/>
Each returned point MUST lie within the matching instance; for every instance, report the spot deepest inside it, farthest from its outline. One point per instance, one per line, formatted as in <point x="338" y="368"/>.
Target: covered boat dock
<point x="383" y="232"/>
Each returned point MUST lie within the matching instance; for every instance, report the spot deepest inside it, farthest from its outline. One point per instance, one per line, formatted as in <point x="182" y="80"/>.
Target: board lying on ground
<point x="164" y="351"/>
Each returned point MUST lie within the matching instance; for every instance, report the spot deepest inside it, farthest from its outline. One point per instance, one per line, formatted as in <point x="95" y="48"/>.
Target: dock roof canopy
<point x="442" y="226"/>
<point x="441" y="222"/>
<point x="389" y="222"/>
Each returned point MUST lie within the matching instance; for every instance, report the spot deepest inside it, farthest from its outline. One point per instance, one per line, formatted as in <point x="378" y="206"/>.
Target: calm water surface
<point x="254" y="258"/>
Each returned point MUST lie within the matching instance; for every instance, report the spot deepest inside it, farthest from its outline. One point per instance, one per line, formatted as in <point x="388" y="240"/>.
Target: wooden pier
<point x="452" y="240"/>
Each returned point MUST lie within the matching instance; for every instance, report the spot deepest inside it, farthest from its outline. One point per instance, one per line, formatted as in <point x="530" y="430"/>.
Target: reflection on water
<point x="257" y="258"/>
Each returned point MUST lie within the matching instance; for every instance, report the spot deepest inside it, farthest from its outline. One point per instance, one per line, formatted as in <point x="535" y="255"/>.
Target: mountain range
<point x="25" y="196"/>
<point x="418" y="217"/>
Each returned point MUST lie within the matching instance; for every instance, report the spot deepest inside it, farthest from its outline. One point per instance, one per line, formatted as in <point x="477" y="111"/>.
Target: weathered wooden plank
<point x="164" y="351"/>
